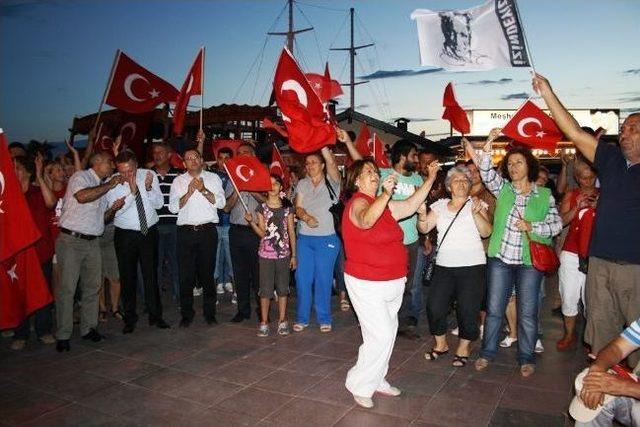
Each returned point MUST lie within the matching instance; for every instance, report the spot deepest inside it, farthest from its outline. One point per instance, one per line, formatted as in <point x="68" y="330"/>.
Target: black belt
<point x="198" y="227"/>
<point x="76" y="234"/>
<point x="241" y="225"/>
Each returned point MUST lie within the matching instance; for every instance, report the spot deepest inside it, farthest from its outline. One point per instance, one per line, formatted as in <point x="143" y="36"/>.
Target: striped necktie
<point x="144" y="229"/>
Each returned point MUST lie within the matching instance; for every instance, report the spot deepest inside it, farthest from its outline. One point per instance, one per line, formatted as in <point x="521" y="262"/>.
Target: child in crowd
<point x="277" y="253"/>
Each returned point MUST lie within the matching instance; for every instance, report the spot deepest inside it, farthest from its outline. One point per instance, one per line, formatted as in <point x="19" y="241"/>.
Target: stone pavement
<point x="226" y="376"/>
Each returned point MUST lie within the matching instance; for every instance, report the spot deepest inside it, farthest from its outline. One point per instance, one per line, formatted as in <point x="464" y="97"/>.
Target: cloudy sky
<point x="56" y="55"/>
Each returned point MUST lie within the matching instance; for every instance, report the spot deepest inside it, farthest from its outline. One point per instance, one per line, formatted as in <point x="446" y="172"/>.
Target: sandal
<point x="299" y="327"/>
<point x="460" y="361"/>
<point x="117" y="314"/>
<point x="102" y="316"/>
<point x="344" y="305"/>
<point x="435" y="354"/>
<point x="325" y="328"/>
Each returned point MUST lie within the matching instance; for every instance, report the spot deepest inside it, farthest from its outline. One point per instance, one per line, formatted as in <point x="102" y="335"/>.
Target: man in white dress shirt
<point x="196" y="197"/>
<point x="136" y="238"/>
<point x="78" y="250"/>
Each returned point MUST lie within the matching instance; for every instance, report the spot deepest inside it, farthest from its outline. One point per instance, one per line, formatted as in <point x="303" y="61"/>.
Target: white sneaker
<point x="455" y="331"/>
<point x="197" y="292"/>
<point x="391" y="391"/>
<point x="220" y="289"/>
<point x="539" y="348"/>
<point x="365" y="402"/>
<point x="507" y="342"/>
<point x="234" y="298"/>
<point x="228" y="287"/>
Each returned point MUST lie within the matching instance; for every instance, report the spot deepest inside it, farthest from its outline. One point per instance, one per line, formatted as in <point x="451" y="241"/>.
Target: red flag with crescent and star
<point x="533" y="127"/>
<point x="364" y="141"/>
<point x="191" y="86"/>
<point x="454" y="112"/>
<point x="304" y="115"/>
<point x="324" y="85"/>
<point x="23" y="288"/>
<point x="379" y="154"/>
<point x="135" y="89"/>
<point x="132" y="127"/>
<point x="279" y="167"/>
<point x="248" y="174"/>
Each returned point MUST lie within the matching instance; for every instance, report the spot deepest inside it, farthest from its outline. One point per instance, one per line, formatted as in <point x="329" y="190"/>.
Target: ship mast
<point x="291" y="33"/>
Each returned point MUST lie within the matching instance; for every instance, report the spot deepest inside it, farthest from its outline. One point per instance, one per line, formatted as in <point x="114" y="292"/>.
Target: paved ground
<point x="224" y="375"/>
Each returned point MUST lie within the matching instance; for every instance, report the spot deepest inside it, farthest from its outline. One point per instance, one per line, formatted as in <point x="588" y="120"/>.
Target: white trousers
<point x="376" y="303"/>
<point x="572" y="283"/>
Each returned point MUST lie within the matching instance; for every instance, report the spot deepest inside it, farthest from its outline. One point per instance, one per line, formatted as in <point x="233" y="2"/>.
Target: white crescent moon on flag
<point x="1" y="183"/>
<point x="240" y="174"/>
<point x="275" y="164"/>
<point x="525" y="122"/>
<point x="127" y="86"/>
<point x="129" y="125"/>
<point x="190" y="83"/>
<point x="298" y="89"/>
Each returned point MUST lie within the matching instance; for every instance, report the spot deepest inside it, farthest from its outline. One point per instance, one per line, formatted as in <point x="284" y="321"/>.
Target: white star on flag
<point x="316" y="85"/>
<point x="12" y="273"/>
<point x="154" y="93"/>
<point x="540" y="134"/>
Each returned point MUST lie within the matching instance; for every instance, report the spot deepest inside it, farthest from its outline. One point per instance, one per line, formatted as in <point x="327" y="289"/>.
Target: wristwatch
<point x="205" y="192"/>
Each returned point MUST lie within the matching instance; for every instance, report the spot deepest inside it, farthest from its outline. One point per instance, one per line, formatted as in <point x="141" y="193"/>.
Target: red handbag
<point x="543" y="257"/>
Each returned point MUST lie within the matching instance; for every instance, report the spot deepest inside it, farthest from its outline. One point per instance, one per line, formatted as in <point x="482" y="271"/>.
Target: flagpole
<point x="244" y="205"/>
<point x="202" y="87"/>
<point x="106" y="89"/>
<point x="524" y="34"/>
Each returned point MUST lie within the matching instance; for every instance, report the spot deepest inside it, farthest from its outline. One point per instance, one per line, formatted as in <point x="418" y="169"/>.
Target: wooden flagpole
<point x="202" y="87"/>
<point x="235" y="187"/>
<point x="106" y="89"/>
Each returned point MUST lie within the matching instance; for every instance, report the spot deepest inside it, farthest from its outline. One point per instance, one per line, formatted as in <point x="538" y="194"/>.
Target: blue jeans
<point x="416" y="289"/>
<point x="501" y="279"/>
<point x="224" y="269"/>
<point x="167" y="242"/>
<point x="314" y="276"/>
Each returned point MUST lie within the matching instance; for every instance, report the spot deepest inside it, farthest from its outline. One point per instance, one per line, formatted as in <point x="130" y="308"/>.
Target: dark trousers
<point x="197" y="258"/>
<point x="132" y="247"/>
<point x="407" y="318"/>
<point x="467" y="286"/>
<point x="42" y="317"/>
<point x="244" y="243"/>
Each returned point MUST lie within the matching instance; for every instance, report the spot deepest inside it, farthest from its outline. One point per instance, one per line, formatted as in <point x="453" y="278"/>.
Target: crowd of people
<point x="118" y="229"/>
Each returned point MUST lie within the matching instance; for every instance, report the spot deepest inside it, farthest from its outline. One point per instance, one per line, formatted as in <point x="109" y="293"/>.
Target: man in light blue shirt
<point x="136" y="238"/>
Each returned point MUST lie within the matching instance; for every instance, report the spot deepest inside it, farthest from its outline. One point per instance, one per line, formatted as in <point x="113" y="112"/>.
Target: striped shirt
<point x="511" y="244"/>
<point x="166" y="217"/>
<point x="632" y="333"/>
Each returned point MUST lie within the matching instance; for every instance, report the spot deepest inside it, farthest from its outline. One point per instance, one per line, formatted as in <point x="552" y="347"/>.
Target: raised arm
<point x="89" y="150"/>
<point x="490" y="177"/>
<point x="331" y="165"/>
<point x="343" y="136"/>
<point x="77" y="163"/>
<point x="403" y="208"/>
<point x="583" y="141"/>
<point x="50" y="199"/>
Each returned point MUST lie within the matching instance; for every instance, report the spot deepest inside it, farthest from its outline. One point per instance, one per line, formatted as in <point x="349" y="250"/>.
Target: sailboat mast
<point x="290" y="33"/>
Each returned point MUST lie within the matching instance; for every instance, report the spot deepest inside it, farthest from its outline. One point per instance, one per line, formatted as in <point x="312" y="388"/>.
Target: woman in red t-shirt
<point x="577" y="210"/>
<point x="376" y="270"/>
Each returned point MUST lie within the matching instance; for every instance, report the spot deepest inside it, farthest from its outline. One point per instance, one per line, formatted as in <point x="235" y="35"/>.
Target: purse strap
<point x="435" y="254"/>
<point x="526" y="232"/>
<point x="332" y="193"/>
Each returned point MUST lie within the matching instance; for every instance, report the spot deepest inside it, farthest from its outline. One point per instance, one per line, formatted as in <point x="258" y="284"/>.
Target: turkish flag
<point x="104" y="138"/>
<point x="304" y="115"/>
<point x="586" y="218"/>
<point x="453" y="112"/>
<point x="233" y="144"/>
<point x="379" y="154"/>
<point x="268" y="124"/>
<point x="17" y="228"/>
<point x="533" y="127"/>
<point x="134" y="129"/>
<point x="248" y="174"/>
<point x="191" y="86"/>
<point x="23" y="288"/>
<point x="279" y="167"/>
<point x="135" y="89"/>
<point x="324" y="86"/>
<point x="363" y="141"/>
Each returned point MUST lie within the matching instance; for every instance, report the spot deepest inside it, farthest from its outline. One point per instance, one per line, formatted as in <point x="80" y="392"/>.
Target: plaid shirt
<point x="511" y="244"/>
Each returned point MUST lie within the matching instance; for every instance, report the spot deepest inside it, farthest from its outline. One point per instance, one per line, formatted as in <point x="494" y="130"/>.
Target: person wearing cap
<point x="604" y="396"/>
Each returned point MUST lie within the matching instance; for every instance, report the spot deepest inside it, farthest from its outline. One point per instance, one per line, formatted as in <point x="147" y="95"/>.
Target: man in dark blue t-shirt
<point x="613" y="282"/>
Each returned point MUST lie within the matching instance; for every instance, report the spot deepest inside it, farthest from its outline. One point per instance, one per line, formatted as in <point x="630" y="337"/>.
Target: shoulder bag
<point x="430" y="266"/>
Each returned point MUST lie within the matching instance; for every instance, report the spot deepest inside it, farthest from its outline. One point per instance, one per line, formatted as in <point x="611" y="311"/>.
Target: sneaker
<point x="47" y="339"/>
<point x="507" y="342"/>
<point x="197" y="292"/>
<point x="7" y="333"/>
<point x="234" y="298"/>
<point x="365" y="402"/>
<point x="228" y="287"/>
<point x="391" y="391"/>
<point x="283" y="328"/>
<point x="455" y="331"/>
<point x="220" y="289"/>
<point x="263" y="330"/>
<point x="539" y="348"/>
<point x="18" y="345"/>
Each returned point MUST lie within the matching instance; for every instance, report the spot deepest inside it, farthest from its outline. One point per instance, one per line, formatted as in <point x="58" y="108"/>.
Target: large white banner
<point x="481" y="38"/>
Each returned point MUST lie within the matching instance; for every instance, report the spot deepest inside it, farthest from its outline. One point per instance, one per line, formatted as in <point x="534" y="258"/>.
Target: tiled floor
<point x="224" y="375"/>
